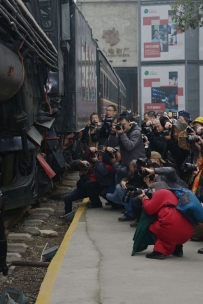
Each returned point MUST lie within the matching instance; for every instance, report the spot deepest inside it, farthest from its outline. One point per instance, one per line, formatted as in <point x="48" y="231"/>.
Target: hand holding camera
<point x="119" y="128"/>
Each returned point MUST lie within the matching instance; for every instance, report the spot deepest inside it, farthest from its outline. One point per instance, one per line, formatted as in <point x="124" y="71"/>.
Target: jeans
<point x="117" y="198"/>
<point x="73" y="196"/>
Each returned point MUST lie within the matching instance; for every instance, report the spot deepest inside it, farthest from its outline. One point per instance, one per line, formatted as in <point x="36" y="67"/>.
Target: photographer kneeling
<point x="156" y="173"/>
<point x="170" y="227"/>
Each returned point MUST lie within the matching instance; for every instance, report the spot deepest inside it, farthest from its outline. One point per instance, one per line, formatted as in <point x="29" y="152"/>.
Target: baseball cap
<point x="198" y="119"/>
<point x="180" y="125"/>
<point x="185" y="114"/>
<point x="156" y="155"/>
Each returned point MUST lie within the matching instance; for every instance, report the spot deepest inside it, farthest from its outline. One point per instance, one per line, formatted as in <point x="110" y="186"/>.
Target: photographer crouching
<point x="86" y="175"/>
<point x="154" y="172"/>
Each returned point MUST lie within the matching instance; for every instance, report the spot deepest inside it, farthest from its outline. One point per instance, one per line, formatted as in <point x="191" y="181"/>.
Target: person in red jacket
<point x="171" y="228"/>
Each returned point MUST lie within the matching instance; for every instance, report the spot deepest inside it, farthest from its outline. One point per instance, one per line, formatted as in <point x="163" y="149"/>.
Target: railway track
<point x="26" y="243"/>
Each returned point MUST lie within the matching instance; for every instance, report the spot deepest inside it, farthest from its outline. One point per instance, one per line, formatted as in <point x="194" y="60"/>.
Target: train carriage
<point x="52" y="77"/>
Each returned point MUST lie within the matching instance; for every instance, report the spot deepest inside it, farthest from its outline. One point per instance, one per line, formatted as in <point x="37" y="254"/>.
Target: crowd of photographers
<point x="123" y="160"/>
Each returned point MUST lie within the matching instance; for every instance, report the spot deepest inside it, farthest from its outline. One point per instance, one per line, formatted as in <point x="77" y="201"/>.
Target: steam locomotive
<point x="52" y="77"/>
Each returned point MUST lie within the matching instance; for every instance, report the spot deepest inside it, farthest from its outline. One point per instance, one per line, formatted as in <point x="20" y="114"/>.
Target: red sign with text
<point x="156" y="107"/>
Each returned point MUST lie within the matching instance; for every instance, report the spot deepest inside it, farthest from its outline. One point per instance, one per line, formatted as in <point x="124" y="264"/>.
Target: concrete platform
<point x="94" y="266"/>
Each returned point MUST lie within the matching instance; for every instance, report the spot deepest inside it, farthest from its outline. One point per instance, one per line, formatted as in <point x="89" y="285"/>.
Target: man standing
<point x="106" y="125"/>
<point x="130" y="140"/>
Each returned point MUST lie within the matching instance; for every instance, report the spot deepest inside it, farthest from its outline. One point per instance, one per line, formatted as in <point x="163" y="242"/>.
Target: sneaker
<point x="68" y="217"/>
<point x="125" y="218"/>
<point x="200" y="251"/>
<point x="155" y="255"/>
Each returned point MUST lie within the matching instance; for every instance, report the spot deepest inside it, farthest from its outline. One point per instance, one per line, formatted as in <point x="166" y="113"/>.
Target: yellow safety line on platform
<point x="46" y="289"/>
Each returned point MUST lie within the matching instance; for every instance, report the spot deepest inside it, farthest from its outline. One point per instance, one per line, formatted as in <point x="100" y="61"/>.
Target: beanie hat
<point x="180" y="125"/>
<point x="185" y="114"/>
<point x="198" y="119"/>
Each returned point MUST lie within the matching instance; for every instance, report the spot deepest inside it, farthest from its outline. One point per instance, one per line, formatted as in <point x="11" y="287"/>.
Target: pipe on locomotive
<point x="42" y="46"/>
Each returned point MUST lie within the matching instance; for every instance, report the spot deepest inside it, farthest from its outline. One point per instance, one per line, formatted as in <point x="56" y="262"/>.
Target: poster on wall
<point x="163" y="89"/>
<point x="160" y="38"/>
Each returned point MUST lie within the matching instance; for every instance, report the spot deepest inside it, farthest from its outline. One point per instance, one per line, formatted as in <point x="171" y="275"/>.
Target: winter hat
<point x="185" y="114"/>
<point x="180" y="125"/>
<point x="198" y="119"/>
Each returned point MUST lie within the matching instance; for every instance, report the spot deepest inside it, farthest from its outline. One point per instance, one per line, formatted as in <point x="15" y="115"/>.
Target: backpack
<point x="188" y="205"/>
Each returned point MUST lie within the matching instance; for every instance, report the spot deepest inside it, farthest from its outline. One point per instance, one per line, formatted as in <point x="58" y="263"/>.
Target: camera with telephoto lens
<point x="119" y="126"/>
<point x="190" y="167"/>
<point x="126" y="197"/>
<point x="191" y="139"/>
<point x="139" y="191"/>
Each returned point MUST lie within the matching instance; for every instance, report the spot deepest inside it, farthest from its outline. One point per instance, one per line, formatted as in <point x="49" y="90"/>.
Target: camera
<point x="85" y="167"/>
<point x="190" y="167"/>
<point x="93" y="124"/>
<point x="166" y="132"/>
<point x="192" y="139"/>
<point x="119" y="126"/>
<point x="107" y="123"/>
<point x="93" y="154"/>
<point x="138" y="191"/>
<point x="143" y="173"/>
<point x="111" y="155"/>
<point x="147" y="129"/>
<point x="141" y="162"/>
<point x="126" y="197"/>
<point x="190" y="130"/>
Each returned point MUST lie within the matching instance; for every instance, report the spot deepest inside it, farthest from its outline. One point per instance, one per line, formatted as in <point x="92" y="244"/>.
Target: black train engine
<point x="27" y="56"/>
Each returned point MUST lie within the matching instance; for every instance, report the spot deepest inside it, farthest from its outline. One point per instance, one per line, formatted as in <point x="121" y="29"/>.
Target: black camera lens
<point x="141" y="162"/>
<point x="111" y="154"/>
<point x="189" y="130"/>
<point x="192" y="139"/>
<point x="137" y="192"/>
<point x="166" y="132"/>
<point x="143" y="173"/>
<point x="119" y="126"/>
<point x="190" y="167"/>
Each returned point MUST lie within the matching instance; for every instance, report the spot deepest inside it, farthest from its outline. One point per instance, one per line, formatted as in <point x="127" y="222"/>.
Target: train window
<point x="45" y="11"/>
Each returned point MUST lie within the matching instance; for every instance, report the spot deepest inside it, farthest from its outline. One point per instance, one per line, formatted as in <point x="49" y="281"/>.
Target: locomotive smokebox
<point x="11" y="73"/>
